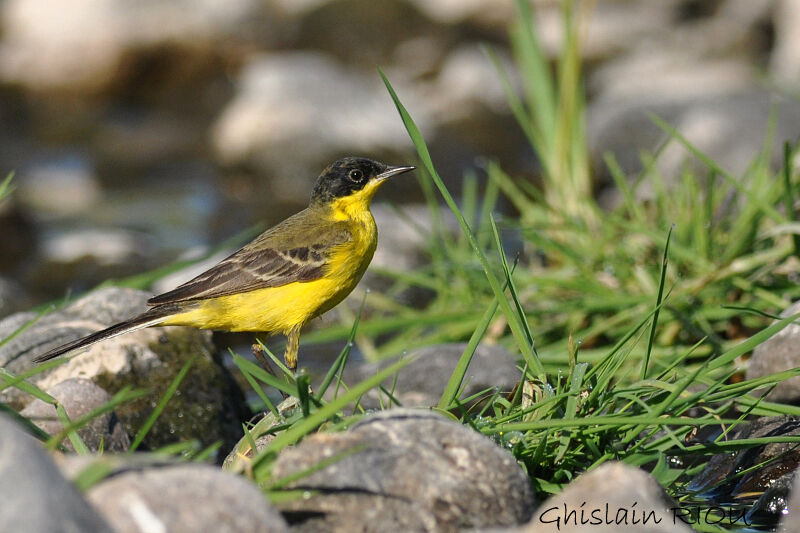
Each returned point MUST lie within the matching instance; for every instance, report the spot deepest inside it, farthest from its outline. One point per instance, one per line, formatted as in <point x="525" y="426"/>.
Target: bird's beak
<point x="393" y="171"/>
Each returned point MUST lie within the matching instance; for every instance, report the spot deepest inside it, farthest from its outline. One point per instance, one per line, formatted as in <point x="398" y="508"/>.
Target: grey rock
<point x="778" y="353"/>
<point x="467" y="80"/>
<point x="79" y="397"/>
<point x="207" y="406"/>
<point x="36" y="497"/>
<point x="184" y="499"/>
<point x="620" y="28"/>
<point x="422" y="382"/>
<point x="73" y="466"/>
<point x="699" y="73"/>
<point x="618" y="485"/>
<point x="88" y="314"/>
<point x="342" y="27"/>
<point x="404" y="470"/>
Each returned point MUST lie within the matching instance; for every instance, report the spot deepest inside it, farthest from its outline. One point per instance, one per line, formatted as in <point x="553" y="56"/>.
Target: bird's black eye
<point x="355" y="175"/>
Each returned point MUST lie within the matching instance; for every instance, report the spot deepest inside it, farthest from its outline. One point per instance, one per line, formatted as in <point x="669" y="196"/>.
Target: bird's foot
<point x="258" y="353"/>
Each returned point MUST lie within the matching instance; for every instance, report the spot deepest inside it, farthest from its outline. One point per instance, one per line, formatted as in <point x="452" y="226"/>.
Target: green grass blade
<point x="92" y="474"/>
<point x="262" y="375"/>
<point x="25" y="326"/>
<point x="659" y="300"/>
<point x="457" y="377"/>
<point x="6" y="187"/>
<point x="26" y="423"/>
<point x="277" y="361"/>
<point x="748" y="345"/>
<point x="256" y="387"/>
<point x="10" y="380"/>
<point x="341" y="360"/>
<point x="608" y="421"/>
<point x="510" y="285"/>
<point x="75" y="439"/>
<point x="788" y="196"/>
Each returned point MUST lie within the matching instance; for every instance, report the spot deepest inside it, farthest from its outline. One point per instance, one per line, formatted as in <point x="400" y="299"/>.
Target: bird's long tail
<point x="151" y="317"/>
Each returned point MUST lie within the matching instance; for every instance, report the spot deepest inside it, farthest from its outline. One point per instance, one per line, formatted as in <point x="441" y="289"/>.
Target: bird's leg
<point x="292" y="346"/>
<point x="258" y="353"/>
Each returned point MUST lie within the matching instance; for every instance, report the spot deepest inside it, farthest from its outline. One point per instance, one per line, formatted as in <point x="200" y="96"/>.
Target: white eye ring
<point x="355" y="175"/>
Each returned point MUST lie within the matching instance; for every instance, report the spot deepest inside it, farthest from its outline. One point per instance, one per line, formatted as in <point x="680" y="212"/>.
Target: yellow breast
<point x="279" y="309"/>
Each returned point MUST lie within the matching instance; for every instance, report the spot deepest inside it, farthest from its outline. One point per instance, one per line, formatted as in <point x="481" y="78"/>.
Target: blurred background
<point x="146" y="132"/>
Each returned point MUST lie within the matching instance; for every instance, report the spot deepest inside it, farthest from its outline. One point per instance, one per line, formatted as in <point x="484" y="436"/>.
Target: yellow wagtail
<point x="286" y="276"/>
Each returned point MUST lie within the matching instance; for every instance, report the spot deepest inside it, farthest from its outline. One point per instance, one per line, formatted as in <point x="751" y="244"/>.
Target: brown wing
<point x="297" y="249"/>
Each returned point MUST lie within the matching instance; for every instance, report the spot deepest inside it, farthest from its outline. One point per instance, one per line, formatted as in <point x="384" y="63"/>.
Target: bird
<point x="289" y="274"/>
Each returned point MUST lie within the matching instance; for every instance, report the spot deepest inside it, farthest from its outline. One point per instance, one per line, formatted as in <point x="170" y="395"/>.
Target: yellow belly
<point x="279" y="309"/>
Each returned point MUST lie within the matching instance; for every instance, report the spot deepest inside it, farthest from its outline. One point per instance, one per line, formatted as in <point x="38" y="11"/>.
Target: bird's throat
<point x="355" y="206"/>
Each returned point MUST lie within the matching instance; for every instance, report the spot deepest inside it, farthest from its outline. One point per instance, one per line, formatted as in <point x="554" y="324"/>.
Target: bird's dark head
<point x="354" y="177"/>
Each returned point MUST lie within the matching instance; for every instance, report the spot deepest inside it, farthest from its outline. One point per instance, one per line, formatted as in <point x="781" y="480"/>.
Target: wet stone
<point x="774" y="502"/>
<point x="792" y="509"/>
<point x="779" y="459"/>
